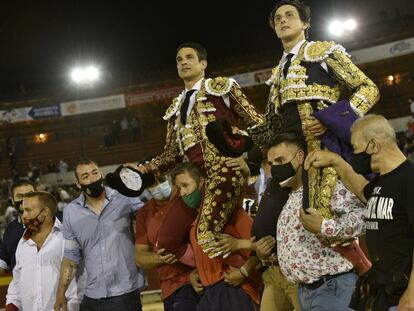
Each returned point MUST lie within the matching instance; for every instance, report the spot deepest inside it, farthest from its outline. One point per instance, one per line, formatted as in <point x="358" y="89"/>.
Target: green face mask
<point x="193" y="199"/>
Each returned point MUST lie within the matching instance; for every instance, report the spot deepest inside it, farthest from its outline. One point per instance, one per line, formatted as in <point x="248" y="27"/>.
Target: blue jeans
<point x="393" y="309"/>
<point x="333" y="295"/>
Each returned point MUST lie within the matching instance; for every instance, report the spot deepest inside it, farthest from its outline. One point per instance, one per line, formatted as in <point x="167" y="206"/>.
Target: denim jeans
<point x="393" y="308"/>
<point x="333" y="295"/>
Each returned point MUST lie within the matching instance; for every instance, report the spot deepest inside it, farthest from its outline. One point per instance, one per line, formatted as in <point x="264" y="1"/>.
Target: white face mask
<point x="162" y="191"/>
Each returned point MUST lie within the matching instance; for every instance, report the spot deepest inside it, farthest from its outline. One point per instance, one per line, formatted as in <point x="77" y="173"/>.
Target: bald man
<point x="389" y="209"/>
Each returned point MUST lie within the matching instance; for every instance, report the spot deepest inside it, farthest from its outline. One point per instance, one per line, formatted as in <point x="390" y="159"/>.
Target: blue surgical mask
<point x="161" y="192"/>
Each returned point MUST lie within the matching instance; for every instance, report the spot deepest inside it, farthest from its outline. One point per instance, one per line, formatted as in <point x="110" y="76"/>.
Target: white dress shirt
<point x="37" y="272"/>
<point x="295" y="52"/>
<point x="197" y="88"/>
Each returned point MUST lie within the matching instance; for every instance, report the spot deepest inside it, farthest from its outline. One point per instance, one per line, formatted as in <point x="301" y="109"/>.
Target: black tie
<point x="184" y="106"/>
<point x="287" y="64"/>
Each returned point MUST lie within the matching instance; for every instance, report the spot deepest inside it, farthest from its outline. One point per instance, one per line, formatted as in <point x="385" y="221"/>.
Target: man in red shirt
<point x="225" y="283"/>
<point x="174" y="264"/>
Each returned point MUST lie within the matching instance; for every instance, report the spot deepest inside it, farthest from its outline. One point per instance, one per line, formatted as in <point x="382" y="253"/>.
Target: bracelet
<point x="244" y="272"/>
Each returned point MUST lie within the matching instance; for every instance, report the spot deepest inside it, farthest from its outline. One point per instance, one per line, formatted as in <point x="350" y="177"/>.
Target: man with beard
<point x="97" y="231"/>
<point x="14" y="229"/>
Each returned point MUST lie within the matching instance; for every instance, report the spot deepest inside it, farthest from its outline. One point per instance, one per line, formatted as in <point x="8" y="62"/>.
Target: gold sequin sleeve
<point x="170" y="155"/>
<point x="267" y="131"/>
<point x="243" y="108"/>
<point x="365" y="93"/>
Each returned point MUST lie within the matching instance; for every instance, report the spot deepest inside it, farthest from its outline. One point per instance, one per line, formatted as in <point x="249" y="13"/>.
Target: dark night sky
<point x="41" y="40"/>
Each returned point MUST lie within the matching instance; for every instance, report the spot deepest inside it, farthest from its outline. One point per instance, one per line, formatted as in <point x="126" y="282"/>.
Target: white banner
<point x="92" y="105"/>
<point x="383" y="51"/>
<point x="14" y="115"/>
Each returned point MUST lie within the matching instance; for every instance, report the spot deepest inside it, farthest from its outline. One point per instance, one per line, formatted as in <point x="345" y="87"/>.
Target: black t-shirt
<point x="389" y="225"/>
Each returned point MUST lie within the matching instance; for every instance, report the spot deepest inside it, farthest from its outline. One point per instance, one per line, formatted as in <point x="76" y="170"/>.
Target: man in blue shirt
<point x="97" y="231"/>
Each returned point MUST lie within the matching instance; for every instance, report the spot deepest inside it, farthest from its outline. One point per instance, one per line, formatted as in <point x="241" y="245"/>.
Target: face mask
<point x="33" y="224"/>
<point x="361" y="162"/>
<point x="193" y="200"/>
<point x="94" y="189"/>
<point x="283" y="173"/>
<point x="18" y="206"/>
<point x="162" y="191"/>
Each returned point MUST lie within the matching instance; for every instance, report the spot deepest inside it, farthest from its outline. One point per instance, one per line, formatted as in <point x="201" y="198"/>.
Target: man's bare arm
<point x="146" y="258"/>
<point x="67" y="273"/>
<point x="352" y="181"/>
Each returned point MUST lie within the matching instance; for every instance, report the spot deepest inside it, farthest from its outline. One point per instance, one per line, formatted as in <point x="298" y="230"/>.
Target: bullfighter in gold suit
<point x="204" y="101"/>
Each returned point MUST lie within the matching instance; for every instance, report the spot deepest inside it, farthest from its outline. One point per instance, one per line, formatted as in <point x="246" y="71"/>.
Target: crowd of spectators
<point x="122" y="131"/>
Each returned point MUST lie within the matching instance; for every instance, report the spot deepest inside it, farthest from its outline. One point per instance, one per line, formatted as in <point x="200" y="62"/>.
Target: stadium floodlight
<point x="339" y="28"/>
<point x="92" y="73"/>
<point x="77" y="75"/>
<point x="350" y="24"/>
<point x="336" y="28"/>
<point x="85" y="75"/>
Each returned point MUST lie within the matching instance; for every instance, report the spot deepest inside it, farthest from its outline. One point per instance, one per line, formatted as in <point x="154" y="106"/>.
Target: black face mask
<point x="94" y="189"/>
<point x="283" y="172"/>
<point x="361" y="162"/>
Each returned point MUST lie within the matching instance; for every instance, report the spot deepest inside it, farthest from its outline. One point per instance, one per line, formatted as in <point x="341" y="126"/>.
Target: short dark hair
<point x="289" y="139"/>
<point x="201" y="51"/>
<point x="303" y="10"/>
<point x="83" y="161"/>
<point x="45" y="198"/>
<point x="189" y="168"/>
<point x="21" y="183"/>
